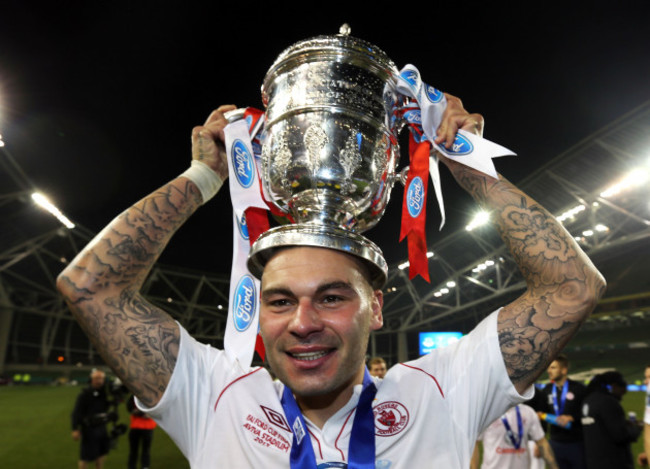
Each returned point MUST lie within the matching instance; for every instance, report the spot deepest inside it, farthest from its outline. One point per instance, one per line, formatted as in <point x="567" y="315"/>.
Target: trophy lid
<point x="335" y="48"/>
<point x="321" y="236"/>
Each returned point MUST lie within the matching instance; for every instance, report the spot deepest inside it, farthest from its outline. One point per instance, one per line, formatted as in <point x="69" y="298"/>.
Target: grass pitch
<point x="35" y="432"/>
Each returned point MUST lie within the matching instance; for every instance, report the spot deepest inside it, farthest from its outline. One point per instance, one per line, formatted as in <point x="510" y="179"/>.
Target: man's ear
<point x="377" y="319"/>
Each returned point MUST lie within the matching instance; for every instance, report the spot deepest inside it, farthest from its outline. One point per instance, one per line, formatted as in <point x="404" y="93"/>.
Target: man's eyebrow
<point x="276" y="291"/>
<point x="336" y="285"/>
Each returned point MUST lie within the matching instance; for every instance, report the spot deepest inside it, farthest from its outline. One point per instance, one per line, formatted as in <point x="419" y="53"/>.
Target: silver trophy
<point x="330" y="147"/>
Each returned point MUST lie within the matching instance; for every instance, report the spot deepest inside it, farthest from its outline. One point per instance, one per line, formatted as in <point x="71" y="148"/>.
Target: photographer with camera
<point x="95" y="408"/>
<point x="89" y="419"/>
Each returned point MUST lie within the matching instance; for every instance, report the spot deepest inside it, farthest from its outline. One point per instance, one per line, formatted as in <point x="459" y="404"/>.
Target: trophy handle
<point x="403" y="175"/>
<point x="235" y="115"/>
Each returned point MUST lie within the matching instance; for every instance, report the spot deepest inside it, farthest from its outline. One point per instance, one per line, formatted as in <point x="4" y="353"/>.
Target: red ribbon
<point x="414" y="227"/>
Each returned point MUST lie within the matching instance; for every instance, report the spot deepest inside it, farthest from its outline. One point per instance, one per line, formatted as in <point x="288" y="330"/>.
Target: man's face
<point x="618" y="390"/>
<point x="378" y="370"/>
<point x="317" y="312"/>
<point x="97" y="380"/>
<point x="556" y="371"/>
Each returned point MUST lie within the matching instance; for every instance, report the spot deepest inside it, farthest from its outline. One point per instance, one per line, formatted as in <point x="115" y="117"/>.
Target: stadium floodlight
<point x="480" y="218"/>
<point x="451" y="284"/>
<point x="571" y="213"/>
<point x="44" y="203"/>
<point x="635" y="178"/>
<point x="2" y="143"/>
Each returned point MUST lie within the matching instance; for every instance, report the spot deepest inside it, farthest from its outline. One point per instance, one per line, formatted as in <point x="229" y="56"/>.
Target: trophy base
<point x="321" y="236"/>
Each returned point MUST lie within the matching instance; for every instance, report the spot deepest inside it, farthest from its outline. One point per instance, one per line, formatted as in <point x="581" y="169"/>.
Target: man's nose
<point x="306" y="319"/>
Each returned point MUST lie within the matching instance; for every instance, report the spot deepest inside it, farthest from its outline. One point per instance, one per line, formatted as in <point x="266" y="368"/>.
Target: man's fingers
<point x="217" y="121"/>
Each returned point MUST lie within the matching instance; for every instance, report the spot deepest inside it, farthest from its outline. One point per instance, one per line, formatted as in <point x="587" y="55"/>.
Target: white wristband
<point x="206" y="180"/>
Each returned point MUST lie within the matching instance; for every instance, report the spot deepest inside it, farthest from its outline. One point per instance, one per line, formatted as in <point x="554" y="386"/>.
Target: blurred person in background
<point x="564" y="402"/>
<point x="89" y="419"/>
<point x="377" y="367"/>
<point x="505" y="441"/>
<point x="140" y="436"/>
<point x="608" y="434"/>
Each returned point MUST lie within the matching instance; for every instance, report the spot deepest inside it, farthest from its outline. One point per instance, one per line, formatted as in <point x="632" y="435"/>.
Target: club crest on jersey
<point x="415" y="197"/>
<point x="245" y="303"/>
<point x="390" y="418"/>
<point x="434" y="95"/>
<point x="243" y="227"/>
<point x="461" y="146"/>
<point x="242" y="162"/>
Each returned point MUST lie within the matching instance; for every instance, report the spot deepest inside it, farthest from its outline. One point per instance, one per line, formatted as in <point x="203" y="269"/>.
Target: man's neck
<point x="318" y="409"/>
<point x="560" y="382"/>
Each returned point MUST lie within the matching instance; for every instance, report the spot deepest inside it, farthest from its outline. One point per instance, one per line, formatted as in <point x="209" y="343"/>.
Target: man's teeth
<point x="309" y="356"/>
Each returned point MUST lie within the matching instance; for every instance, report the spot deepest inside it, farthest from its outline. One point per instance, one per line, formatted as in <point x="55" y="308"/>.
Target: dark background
<point x="98" y="98"/>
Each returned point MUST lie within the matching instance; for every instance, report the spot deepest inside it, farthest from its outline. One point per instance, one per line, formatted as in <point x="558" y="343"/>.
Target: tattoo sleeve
<point x="563" y="285"/>
<point x="101" y="285"/>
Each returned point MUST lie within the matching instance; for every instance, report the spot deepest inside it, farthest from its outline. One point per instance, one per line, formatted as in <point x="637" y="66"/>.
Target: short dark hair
<point x="376" y="361"/>
<point x="563" y="360"/>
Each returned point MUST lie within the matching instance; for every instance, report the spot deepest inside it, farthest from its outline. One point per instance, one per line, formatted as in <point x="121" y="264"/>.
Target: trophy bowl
<point x="329" y="148"/>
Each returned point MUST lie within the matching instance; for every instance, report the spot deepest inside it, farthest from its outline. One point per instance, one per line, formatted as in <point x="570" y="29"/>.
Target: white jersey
<point x="498" y="450"/>
<point x="428" y="412"/>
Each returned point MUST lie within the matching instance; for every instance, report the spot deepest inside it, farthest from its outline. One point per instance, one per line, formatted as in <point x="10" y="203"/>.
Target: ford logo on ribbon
<point x="434" y="95"/>
<point x="242" y="162"/>
<point x="461" y="146"/>
<point x="413" y="117"/>
<point x="415" y="197"/>
<point x="244" y="303"/>
<point x="243" y="227"/>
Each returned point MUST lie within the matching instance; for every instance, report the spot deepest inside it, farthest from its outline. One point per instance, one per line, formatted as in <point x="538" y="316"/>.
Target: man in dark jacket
<point x="89" y="419"/>
<point x="608" y="434"/>
<point x="564" y="401"/>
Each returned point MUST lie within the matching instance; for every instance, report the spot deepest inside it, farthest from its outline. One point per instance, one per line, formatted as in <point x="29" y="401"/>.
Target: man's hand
<point x="208" y="141"/>
<point x="564" y="420"/>
<point x="76" y="435"/>
<point x="454" y="118"/>
<point x="642" y="459"/>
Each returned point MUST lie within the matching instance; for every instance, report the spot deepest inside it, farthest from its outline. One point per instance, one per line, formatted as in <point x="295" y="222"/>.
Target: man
<point x="377" y="367"/>
<point x="89" y="422"/>
<point x="315" y="323"/>
<point x="505" y="441"/>
<point x="608" y="433"/>
<point x="564" y="400"/>
<point x="643" y="457"/>
<point x="140" y="436"/>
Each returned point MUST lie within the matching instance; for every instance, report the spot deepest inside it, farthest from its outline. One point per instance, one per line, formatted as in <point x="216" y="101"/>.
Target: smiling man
<point x="318" y="307"/>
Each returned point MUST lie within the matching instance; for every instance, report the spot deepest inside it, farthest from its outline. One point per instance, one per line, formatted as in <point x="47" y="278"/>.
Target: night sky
<point x="98" y="98"/>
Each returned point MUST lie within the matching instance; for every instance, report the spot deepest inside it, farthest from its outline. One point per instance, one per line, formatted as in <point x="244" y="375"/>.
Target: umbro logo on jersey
<point x="276" y="418"/>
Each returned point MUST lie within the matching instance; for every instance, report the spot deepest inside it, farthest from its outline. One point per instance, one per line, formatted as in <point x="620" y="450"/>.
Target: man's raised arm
<point x="563" y="285"/>
<point x="102" y="284"/>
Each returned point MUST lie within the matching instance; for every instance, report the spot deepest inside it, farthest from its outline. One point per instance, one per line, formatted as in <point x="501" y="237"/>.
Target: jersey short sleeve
<point x="199" y="376"/>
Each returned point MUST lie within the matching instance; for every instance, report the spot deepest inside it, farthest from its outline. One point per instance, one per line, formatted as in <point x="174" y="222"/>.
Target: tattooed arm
<point x="138" y="340"/>
<point x="563" y="285"/>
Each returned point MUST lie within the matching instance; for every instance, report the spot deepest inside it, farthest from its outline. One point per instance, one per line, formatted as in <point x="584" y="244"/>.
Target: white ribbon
<point x="243" y="310"/>
<point x="468" y="149"/>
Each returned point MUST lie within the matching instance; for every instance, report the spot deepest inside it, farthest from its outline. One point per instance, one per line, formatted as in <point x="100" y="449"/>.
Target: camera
<point x="116" y="393"/>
